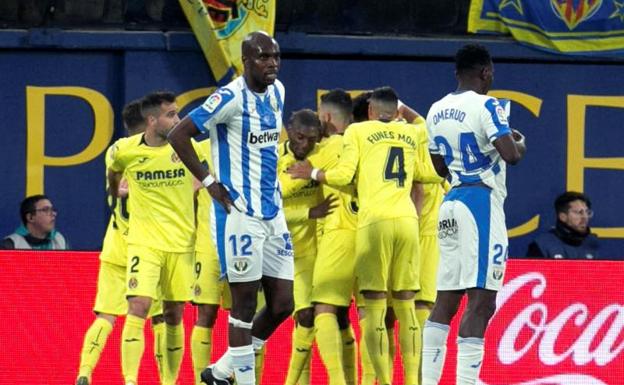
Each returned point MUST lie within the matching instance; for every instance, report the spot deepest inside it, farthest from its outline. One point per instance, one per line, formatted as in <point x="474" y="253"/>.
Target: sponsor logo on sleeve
<point x="213" y="102"/>
<point x="500" y="114"/>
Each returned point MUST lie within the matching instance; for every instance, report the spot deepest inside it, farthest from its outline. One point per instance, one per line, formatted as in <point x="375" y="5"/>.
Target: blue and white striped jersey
<point x="244" y="129"/>
<point x="462" y="127"/>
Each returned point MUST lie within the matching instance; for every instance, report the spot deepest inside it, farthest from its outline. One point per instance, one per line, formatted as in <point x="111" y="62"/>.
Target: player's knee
<point x="244" y="310"/>
<point x="282" y="307"/>
<point x="158" y="319"/>
<point x="343" y="320"/>
<point x="305" y="317"/>
<point x="206" y="315"/>
<point x="139" y="306"/>
<point x="172" y="312"/>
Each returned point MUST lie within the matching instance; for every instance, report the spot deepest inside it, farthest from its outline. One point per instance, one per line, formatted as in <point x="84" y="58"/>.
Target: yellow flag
<point x="220" y="27"/>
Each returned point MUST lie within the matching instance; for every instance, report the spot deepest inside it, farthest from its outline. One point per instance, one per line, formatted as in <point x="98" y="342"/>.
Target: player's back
<point x="387" y="160"/>
<point x="463" y="127"/>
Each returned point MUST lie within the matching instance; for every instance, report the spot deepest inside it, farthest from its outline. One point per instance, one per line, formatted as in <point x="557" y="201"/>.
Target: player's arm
<point x="289" y="185"/>
<point x="180" y="139"/>
<point x="409" y="114"/>
<point x="115" y="170"/>
<point x="418" y="196"/>
<point x="339" y="175"/>
<point x="511" y="147"/>
<point x="425" y="170"/>
<point x="509" y="143"/>
<point x="114" y="180"/>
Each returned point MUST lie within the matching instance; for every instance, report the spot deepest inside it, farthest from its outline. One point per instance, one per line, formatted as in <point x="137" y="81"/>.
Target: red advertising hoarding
<point x="558" y="323"/>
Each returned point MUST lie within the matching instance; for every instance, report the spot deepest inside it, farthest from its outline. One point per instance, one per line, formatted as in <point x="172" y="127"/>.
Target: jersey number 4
<point x="395" y="166"/>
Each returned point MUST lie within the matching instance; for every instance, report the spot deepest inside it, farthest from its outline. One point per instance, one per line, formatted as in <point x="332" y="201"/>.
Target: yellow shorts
<point x="150" y="272"/>
<point x="334" y="277"/>
<point x="111" y="292"/>
<point x="302" y="285"/>
<point x="428" y="262"/>
<point x="114" y="247"/>
<point x="387" y="255"/>
<point x="208" y="289"/>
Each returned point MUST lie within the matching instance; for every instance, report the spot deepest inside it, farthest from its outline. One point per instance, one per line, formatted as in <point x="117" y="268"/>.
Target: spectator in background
<point x="38" y="227"/>
<point x="571" y="238"/>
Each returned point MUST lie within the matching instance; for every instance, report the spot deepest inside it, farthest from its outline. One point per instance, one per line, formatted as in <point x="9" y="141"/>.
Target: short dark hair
<point x="29" y="205"/>
<point x="471" y="56"/>
<point x="131" y="115"/>
<point x="385" y="94"/>
<point x="155" y="99"/>
<point x="562" y="203"/>
<point x="339" y="98"/>
<point x="304" y="117"/>
<point x="360" y="106"/>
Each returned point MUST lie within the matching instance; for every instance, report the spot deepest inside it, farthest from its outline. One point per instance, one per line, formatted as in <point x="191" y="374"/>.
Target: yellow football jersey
<point x="203" y="241"/>
<point x="345" y="215"/>
<point x="113" y="252"/>
<point x="161" y="197"/>
<point x="297" y="205"/>
<point x="385" y="157"/>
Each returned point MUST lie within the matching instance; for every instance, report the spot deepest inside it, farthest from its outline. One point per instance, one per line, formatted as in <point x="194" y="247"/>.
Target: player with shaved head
<point x="244" y="120"/>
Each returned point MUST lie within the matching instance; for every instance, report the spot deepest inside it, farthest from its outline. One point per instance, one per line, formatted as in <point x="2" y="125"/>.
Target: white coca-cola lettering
<point x="546" y="334"/>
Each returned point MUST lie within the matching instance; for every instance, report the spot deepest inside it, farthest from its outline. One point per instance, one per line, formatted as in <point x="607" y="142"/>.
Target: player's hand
<point x="300" y="170"/>
<point x="517" y="135"/>
<point x="219" y="193"/>
<point x="324" y="208"/>
<point x="122" y="190"/>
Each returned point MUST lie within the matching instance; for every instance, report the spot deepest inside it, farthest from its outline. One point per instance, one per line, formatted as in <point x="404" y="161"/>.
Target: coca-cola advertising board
<point x="558" y="323"/>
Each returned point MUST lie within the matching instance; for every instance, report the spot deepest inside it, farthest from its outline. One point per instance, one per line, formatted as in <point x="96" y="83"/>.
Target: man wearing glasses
<point x="37" y="230"/>
<point x="571" y="237"/>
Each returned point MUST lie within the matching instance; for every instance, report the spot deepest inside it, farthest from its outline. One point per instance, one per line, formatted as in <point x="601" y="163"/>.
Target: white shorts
<point x="250" y="248"/>
<point x="473" y="240"/>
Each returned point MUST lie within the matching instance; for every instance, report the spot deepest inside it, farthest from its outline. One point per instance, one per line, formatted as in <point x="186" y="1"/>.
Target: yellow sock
<point x="201" y="348"/>
<point x="368" y="371"/>
<point x="94" y="342"/>
<point x="349" y="355"/>
<point x="304" y="378"/>
<point x="175" y="349"/>
<point x="259" y="363"/>
<point x="391" y="351"/>
<point x="422" y="314"/>
<point x="410" y="339"/>
<point x="377" y="338"/>
<point x="329" y="345"/>
<point x="301" y="348"/>
<point x="160" y="347"/>
<point x="132" y="346"/>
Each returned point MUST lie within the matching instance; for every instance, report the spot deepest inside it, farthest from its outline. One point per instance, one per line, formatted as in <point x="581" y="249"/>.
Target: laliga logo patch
<point x="213" y="102"/>
<point x="573" y="13"/>
<point x="500" y="113"/>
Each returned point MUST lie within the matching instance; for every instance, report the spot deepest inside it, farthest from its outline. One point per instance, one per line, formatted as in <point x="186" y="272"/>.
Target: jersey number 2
<point x="395" y="166"/>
